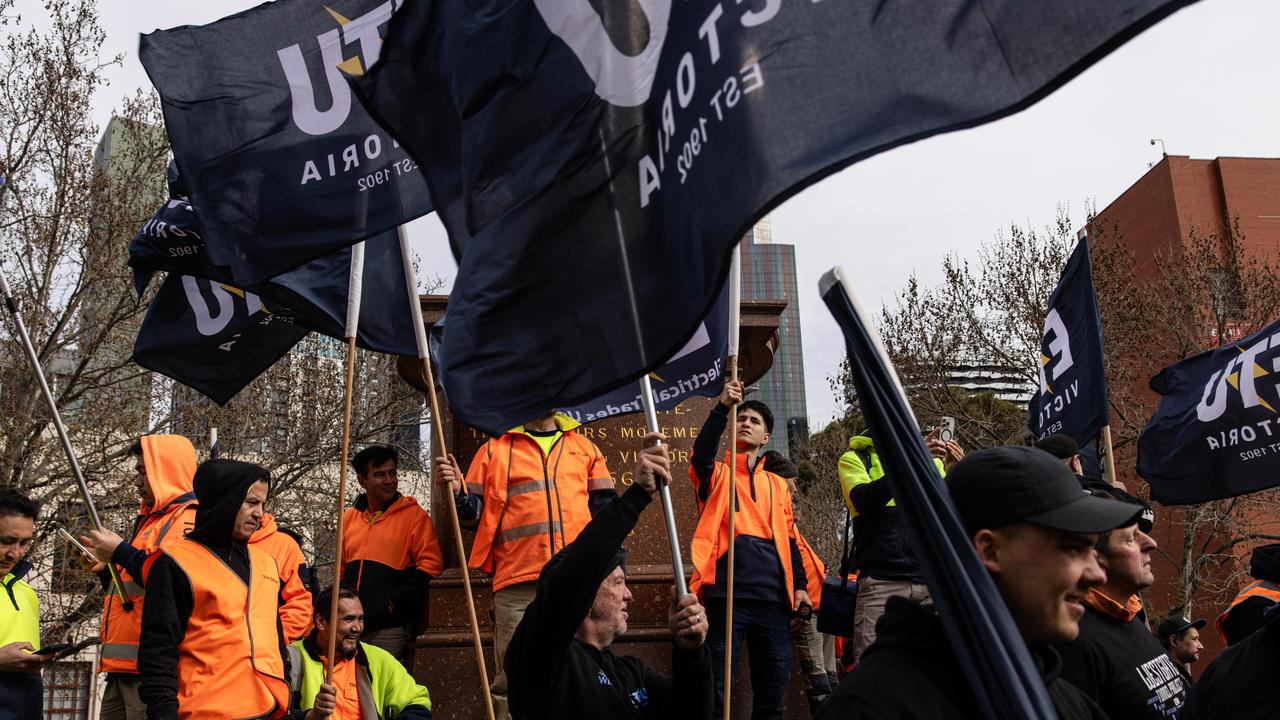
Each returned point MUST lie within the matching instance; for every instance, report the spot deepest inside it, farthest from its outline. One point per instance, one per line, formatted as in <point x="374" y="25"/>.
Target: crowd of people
<point x="211" y="611"/>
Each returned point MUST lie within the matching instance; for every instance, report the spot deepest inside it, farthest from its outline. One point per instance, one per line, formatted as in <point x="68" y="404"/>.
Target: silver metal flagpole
<point x="76" y="472"/>
<point x="664" y="493"/>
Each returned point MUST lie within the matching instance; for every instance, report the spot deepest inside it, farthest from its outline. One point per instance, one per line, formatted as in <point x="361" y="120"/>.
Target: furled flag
<point x="1072" y="394"/>
<point x="980" y="631"/>
<point x="594" y="163"/>
<point x="314" y="295"/>
<point x="212" y="338"/>
<point x="1216" y="432"/>
<point x="284" y="164"/>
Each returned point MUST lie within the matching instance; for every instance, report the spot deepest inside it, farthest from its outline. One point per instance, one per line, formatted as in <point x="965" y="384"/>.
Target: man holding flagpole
<point x="771" y="581"/>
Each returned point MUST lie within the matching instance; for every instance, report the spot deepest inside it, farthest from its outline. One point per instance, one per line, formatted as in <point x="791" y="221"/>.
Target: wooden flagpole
<point x="353" y="323"/>
<point x="424" y="355"/>
<point x="1110" y="461"/>
<point x="76" y="472"/>
<point x="735" y="319"/>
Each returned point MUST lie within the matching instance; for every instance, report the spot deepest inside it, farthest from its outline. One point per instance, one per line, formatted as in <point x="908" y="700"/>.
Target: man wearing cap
<point x="1241" y="683"/>
<point x="1181" y="639"/>
<point x="1034" y="531"/>
<point x="1065" y="449"/>
<point x="1116" y="660"/>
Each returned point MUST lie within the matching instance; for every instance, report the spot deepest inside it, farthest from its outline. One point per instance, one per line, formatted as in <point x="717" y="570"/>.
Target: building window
<point x="66" y="690"/>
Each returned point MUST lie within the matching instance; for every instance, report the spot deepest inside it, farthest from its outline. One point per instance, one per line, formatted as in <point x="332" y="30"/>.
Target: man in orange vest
<point x="770" y="580"/>
<point x="163" y="467"/>
<point x="295" y="612"/>
<point x="528" y="495"/>
<point x="389" y="551"/>
<point x="1249" y="610"/>
<point x="211" y="645"/>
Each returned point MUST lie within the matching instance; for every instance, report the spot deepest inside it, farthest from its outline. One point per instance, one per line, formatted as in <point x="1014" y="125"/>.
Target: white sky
<point x="1203" y="80"/>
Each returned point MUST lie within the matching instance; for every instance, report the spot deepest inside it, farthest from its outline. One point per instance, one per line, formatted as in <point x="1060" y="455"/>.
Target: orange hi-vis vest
<point x="814" y="569"/>
<point x="534" y="503"/>
<point x="229" y="662"/>
<point x="1260" y="588"/>
<point x="295" y="613"/>
<point x="767" y="516"/>
<point x="171" y="462"/>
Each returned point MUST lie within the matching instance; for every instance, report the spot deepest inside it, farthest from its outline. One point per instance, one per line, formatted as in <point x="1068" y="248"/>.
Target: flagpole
<point x="76" y="472"/>
<point x="353" y="323"/>
<point x="735" y="319"/>
<point x="1110" y="466"/>
<point x="424" y="355"/>
<point x="213" y="443"/>
<point x="664" y="492"/>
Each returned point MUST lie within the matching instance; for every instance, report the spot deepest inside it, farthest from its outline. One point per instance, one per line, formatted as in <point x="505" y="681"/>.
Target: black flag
<point x="314" y="295"/>
<point x="594" y="163"/>
<point x="211" y="337"/>
<point x="981" y="632"/>
<point x="284" y="164"/>
<point x="1072" y="395"/>
<point x="1216" y="432"/>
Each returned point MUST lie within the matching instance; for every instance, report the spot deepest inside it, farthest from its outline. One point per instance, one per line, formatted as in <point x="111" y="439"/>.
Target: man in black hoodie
<point x="211" y="644"/>
<point x="559" y="663"/>
<point x="1248" y="610"/>
<point x="1034" y="530"/>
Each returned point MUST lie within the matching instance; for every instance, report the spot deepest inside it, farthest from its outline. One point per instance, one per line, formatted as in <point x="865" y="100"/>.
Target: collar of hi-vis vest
<point x="747" y="463"/>
<point x="1106" y="605"/>
<point x="171" y="464"/>
<point x="362" y="504"/>
<point x="564" y="423"/>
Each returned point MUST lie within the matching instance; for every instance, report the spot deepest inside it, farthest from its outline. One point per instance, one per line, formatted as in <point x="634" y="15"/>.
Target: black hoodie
<point x="220" y="487"/>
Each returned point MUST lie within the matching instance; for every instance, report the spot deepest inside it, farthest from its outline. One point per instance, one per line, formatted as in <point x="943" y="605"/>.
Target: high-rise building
<point x="769" y="273"/>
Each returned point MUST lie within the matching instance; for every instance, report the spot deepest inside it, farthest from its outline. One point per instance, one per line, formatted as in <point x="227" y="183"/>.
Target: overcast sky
<point x="1203" y="80"/>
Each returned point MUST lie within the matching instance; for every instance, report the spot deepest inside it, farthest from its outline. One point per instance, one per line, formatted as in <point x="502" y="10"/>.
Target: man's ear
<point x="987" y="543"/>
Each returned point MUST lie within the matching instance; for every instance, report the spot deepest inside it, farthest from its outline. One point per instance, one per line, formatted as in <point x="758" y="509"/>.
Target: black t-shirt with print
<point x="1123" y="667"/>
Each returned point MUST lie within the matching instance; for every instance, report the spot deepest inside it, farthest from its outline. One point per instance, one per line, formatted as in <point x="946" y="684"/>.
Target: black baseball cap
<point x="1001" y="486"/>
<point x="1176" y="625"/>
<point x="1059" y="445"/>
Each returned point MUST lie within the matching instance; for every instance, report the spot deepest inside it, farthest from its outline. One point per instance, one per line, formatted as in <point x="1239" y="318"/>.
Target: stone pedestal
<point x="444" y="659"/>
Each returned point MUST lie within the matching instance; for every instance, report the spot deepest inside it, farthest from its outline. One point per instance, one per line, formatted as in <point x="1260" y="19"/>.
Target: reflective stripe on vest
<point x="534" y="504"/>
<point x="1259" y="588"/>
<point x="229" y="663"/>
<point x="121" y="628"/>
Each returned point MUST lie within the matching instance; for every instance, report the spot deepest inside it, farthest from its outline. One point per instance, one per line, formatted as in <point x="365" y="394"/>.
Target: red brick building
<point x="1177" y="197"/>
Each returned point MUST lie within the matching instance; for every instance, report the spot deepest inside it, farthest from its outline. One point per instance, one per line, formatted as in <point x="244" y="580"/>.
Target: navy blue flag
<point x="212" y="338"/>
<point x="594" y="163"/>
<point x="981" y="632"/>
<point x="283" y="163"/>
<point x="1216" y="432"/>
<point x="1072" y="396"/>
<point x="314" y="295"/>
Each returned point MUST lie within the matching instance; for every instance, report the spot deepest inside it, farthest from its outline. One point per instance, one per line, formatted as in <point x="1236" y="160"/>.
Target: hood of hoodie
<point x="221" y="486"/>
<point x="1265" y="563"/>
<point x="171" y="463"/>
<point x="862" y="442"/>
<point x="266" y="529"/>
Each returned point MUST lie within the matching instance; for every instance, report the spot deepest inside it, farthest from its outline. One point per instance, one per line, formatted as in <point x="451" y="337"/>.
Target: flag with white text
<point x="1071" y="397"/>
<point x="594" y="163"/>
<point x="1216" y="432"/>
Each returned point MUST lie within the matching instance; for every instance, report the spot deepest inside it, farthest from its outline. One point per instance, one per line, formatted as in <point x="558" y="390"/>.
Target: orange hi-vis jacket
<point x="381" y="552"/>
<point x="171" y="462"/>
<point x="1259" y="588"/>
<point x="814" y="569"/>
<point x="767" y="515"/>
<point x="534" y="503"/>
<point x="295" y="613"/>
<point x="229" y="662"/>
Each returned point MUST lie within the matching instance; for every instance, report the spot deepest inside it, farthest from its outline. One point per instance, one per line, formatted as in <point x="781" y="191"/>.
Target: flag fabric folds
<point x="594" y="163"/>
<point x="212" y="338"/>
<point x="1072" y="394"/>
<point x="314" y="295"/>
<point x="283" y="163"/>
<point x="1216" y="432"/>
<point x="987" y="644"/>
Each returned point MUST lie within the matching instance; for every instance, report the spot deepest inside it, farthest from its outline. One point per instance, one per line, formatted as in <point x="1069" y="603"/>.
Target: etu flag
<point x="1071" y="397"/>
<point x="595" y="162"/>
<point x="1216" y="432"/>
